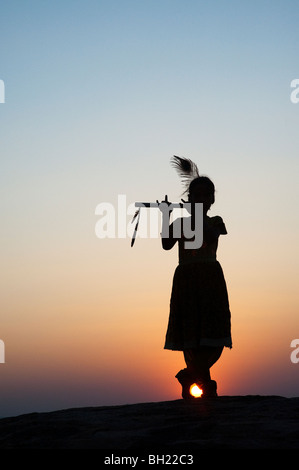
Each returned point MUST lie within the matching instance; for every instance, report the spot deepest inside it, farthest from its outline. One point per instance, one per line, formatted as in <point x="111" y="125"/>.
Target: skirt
<point x="199" y="308"/>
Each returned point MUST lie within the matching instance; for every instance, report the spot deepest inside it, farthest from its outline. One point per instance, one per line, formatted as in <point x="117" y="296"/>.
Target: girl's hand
<point x="164" y="206"/>
<point x="168" y="241"/>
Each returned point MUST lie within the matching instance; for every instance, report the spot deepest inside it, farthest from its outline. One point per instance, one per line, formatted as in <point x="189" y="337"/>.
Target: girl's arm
<point x="212" y="233"/>
<point x="167" y="236"/>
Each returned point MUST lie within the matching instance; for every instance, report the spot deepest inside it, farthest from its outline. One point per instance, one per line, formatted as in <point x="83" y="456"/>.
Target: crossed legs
<point x="198" y="362"/>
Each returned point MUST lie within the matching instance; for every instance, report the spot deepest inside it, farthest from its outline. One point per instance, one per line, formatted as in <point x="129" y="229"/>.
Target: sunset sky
<point x="99" y="94"/>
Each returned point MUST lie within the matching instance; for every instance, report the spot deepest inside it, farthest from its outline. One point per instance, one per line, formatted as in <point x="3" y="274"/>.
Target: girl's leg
<point x="199" y="361"/>
<point x="197" y="364"/>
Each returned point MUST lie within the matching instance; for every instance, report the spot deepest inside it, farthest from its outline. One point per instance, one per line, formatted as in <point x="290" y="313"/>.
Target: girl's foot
<point x="186" y="380"/>
<point x="209" y="388"/>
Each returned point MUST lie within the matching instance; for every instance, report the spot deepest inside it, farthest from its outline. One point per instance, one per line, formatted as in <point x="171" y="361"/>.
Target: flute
<point x="174" y="205"/>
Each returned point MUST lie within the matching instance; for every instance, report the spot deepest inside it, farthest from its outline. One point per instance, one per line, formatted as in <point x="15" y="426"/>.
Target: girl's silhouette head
<point x="199" y="188"/>
<point x="202" y="189"/>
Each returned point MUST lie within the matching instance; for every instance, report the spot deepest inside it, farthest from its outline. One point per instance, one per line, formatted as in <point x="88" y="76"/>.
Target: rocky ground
<point x="227" y="422"/>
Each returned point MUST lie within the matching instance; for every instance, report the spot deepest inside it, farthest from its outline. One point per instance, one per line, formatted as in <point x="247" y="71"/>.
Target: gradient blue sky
<point x="98" y="96"/>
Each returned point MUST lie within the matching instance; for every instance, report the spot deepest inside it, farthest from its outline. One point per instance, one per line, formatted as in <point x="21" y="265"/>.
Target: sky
<point x="98" y="95"/>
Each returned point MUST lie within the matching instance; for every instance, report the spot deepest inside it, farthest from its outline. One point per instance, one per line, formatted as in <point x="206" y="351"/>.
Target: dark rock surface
<point x="227" y="422"/>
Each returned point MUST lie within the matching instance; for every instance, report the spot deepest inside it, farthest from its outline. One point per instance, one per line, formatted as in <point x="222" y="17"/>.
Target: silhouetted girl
<point x="199" y="320"/>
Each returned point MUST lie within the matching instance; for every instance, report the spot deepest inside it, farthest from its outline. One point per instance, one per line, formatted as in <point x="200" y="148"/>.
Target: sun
<point x="195" y="391"/>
